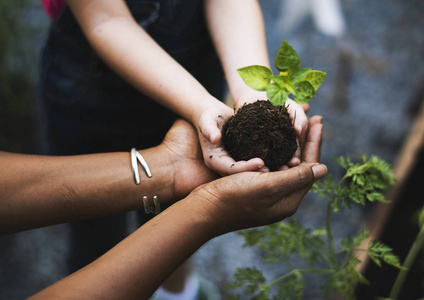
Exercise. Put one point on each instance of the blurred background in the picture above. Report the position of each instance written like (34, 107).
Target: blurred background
(373, 53)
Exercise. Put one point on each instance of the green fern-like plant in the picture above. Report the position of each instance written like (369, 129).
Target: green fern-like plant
(365, 181)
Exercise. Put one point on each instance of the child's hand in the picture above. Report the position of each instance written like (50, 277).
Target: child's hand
(300, 122)
(297, 114)
(216, 158)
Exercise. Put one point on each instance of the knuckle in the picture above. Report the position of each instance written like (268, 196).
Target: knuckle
(304, 174)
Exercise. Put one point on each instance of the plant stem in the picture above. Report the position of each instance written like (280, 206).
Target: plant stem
(310, 271)
(280, 114)
(330, 235)
(410, 258)
(326, 257)
(316, 271)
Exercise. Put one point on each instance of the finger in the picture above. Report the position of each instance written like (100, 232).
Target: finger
(298, 151)
(315, 120)
(282, 168)
(298, 115)
(295, 161)
(311, 151)
(264, 169)
(225, 165)
(305, 107)
(300, 121)
(297, 178)
(211, 128)
(217, 159)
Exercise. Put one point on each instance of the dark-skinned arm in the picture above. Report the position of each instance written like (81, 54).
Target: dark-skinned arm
(37, 190)
(136, 267)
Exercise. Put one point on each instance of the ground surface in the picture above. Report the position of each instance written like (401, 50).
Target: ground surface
(374, 85)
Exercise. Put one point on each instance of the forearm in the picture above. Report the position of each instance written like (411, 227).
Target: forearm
(41, 190)
(238, 32)
(137, 266)
(136, 57)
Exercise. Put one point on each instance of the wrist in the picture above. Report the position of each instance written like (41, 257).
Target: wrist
(162, 181)
(201, 206)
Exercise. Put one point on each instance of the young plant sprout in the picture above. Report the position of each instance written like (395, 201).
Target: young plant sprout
(302, 83)
(264, 129)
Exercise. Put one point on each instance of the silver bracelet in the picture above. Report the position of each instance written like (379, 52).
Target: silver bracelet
(148, 209)
(137, 157)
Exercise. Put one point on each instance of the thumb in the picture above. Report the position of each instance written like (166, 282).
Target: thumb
(319, 171)
(210, 129)
(301, 176)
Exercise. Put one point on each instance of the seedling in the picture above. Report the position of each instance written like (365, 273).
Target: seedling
(264, 128)
(302, 83)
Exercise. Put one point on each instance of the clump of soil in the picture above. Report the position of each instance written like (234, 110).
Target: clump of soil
(258, 130)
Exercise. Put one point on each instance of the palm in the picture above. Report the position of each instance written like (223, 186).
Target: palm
(216, 158)
(190, 170)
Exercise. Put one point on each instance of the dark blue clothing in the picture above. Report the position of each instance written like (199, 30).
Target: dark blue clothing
(90, 109)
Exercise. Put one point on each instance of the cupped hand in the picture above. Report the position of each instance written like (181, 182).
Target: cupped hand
(182, 145)
(216, 158)
(297, 114)
(253, 199)
(300, 122)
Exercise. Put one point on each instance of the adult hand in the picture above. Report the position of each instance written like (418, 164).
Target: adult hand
(252, 199)
(182, 146)
(216, 158)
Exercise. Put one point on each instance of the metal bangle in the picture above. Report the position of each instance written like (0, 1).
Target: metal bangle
(157, 204)
(146, 205)
(136, 156)
(148, 209)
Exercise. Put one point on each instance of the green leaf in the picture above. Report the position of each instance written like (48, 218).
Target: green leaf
(286, 58)
(284, 82)
(299, 74)
(256, 77)
(380, 252)
(252, 236)
(375, 197)
(276, 94)
(304, 93)
(315, 78)
(253, 281)
(370, 178)
(360, 237)
(319, 232)
(292, 287)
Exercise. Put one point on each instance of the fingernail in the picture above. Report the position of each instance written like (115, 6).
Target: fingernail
(319, 171)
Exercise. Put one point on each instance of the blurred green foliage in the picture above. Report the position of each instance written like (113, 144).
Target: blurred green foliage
(18, 60)
(281, 242)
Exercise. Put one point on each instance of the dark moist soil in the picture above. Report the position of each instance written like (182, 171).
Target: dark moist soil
(257, 130)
